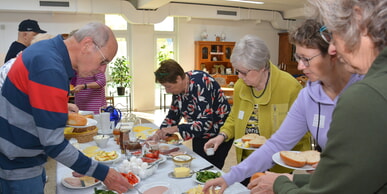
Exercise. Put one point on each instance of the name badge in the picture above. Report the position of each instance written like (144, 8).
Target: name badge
(322, 120)
(240, 115)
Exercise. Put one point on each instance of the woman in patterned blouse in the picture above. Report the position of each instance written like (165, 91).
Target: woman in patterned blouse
(197, 98)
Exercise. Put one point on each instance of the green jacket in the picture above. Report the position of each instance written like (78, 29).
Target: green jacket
(355, 158)
(280, 94)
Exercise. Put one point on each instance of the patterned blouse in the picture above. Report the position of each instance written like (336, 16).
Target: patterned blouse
(204, 108)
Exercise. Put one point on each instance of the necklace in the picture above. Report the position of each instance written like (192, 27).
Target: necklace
(264, 89)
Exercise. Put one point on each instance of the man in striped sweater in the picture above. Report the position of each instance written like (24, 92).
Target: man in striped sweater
(34, 110)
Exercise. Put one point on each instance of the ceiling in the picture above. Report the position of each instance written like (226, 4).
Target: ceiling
(288, 8)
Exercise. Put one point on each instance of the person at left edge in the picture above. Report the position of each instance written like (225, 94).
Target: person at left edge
(35, 96)
(26, 32)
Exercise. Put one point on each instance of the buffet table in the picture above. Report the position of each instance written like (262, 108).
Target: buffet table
(161, 174)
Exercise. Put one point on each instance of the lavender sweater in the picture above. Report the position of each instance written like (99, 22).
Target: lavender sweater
(302, 117)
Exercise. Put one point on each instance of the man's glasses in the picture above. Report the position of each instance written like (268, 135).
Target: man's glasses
(242, 73)
(104, 61)
(325, 34)
(304, 60)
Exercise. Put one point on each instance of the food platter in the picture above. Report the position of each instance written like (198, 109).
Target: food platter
(239, 144)
(64, 183)
(277, 159)
(90, 122)
(109, 161)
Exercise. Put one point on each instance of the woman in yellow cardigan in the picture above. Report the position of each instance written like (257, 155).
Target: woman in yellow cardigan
(262, 97)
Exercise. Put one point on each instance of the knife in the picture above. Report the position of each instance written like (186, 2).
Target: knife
(206, 168)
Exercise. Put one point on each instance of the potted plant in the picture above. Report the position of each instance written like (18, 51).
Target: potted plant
(120, 74)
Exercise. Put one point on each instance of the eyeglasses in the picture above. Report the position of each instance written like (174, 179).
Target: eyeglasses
(242, 73)
(104, 61)
(325, 34)
(304, 60)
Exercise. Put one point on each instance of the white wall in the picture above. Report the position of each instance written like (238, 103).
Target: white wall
(142, 38)
(189, 30)
(53, 23)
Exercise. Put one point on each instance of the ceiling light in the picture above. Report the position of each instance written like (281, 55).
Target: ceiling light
(247, 1)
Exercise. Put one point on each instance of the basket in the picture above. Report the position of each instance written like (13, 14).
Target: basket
(83, 137)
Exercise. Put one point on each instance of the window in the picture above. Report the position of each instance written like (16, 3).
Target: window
(116, 22)
(165, 44)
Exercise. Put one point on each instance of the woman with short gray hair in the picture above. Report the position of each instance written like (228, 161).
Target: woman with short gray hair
(262, 97)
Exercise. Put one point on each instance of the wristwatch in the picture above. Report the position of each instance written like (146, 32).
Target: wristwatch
(224, 136)
(85, 86)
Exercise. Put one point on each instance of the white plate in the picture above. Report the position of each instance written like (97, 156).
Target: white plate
(194, 176)
(110, 161)
(64, 183)
(277, 159)
(90, 122)
(238, 141)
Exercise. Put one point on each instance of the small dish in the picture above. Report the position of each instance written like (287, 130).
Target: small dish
(172, 175)
(182, 160)
(194, 176)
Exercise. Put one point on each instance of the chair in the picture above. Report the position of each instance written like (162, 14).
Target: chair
(110, 100)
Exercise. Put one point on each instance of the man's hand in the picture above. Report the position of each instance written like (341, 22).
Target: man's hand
(73, 108)
(264, 184)
(214, 143)
(211, 184)
(115, 181)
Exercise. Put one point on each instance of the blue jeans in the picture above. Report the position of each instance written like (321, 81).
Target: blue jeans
(33, 185)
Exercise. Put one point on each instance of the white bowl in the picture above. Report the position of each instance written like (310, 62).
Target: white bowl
(101, 140)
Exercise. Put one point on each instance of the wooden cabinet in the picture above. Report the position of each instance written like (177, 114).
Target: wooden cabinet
(285, 55)
(214, 57)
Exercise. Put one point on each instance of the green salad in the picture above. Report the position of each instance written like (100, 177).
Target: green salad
(204, 176)
(101, 191)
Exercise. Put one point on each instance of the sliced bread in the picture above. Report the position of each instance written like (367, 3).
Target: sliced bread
(312, 156)
(257, 142)
(249, 137)
(295, 159)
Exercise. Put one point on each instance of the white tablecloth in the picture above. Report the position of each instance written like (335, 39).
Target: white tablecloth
(161, 175)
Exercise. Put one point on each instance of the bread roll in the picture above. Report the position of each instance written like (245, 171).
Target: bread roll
(249, 137)
(257, 142)
(256, 175)
(76, 119)
(173, 137)
(295, 159)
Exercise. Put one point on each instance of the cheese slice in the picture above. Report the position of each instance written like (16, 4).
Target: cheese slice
(90, 151)
(140, 128)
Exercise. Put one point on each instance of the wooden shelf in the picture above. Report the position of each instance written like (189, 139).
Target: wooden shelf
(214, 56)
(285, 54)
